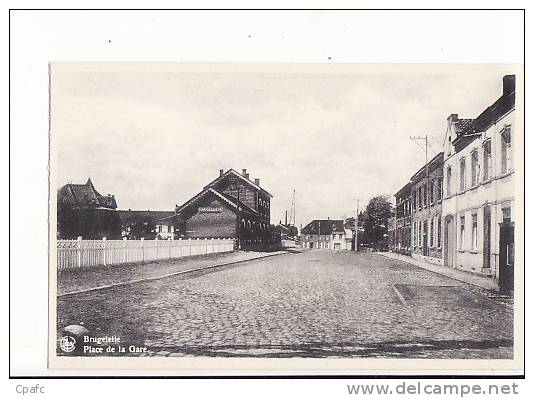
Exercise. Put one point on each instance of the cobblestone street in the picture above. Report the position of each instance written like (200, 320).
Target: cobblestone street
(314, 304)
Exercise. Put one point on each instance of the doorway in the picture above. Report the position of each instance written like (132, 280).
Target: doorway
(486, 261)
(450, 239)
(506, 257)
(425, 238)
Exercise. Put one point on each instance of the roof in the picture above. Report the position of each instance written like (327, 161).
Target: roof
(433, 164)
(405, 190)
(137, 216)
(235, 173)
(229, 200)
(323, 227)
(85, 195)
(349, 223)
(504, 104)
(493, 113)
(463, 124)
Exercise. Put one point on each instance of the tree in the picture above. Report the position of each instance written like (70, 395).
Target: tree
(375, 221)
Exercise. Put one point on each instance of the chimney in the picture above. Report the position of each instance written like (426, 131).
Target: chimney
(508, 84)
(453, 118)
(257, 181)
(221, 172)
(245, 174)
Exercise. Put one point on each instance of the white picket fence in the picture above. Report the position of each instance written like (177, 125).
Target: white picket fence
(89, 253)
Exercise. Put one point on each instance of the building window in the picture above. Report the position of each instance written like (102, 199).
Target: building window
(440, 188)
(432, 232)
(506, 214)
(431, 191)
(420, 234)
(474, 168)
(414, 200)
(449, 177)
(414, 234)
(506, 151)
(439, 231)
(420, 194)
(462, 174)
(474, 231)
(425, 195)
(462, 232)
(486, 147)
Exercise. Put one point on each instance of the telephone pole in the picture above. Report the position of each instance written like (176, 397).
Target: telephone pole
(415, 139)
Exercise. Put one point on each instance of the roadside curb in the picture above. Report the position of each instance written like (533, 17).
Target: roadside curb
(169, 275)
(438, 273)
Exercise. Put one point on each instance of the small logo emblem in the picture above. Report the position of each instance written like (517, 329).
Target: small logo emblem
(67, 344)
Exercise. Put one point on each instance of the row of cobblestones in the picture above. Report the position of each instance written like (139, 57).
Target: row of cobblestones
(315, 304)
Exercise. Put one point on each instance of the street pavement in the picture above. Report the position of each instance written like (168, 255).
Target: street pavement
(93, 278)
(316, 304)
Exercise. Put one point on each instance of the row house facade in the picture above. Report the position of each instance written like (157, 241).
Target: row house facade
(403, 220)
(426, 192)
(461, 204)
(479, 187)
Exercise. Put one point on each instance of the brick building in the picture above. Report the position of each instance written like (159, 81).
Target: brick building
(231, 206)
(403, 220)
(427, 193)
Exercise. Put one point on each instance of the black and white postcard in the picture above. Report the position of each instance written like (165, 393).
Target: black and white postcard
(274, 217)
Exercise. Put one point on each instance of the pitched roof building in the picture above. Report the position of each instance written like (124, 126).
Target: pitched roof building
(84, 196)
(326, 234)
(230, 206)
(479, 189)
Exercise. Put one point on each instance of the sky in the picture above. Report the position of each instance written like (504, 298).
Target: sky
(155, 134)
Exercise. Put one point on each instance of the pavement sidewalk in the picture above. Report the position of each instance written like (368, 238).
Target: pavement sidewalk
(467, 277)
(87, 279)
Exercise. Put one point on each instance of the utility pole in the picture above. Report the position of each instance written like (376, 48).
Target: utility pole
(426, 158)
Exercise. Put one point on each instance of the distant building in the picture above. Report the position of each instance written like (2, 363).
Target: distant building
(478, 206)
(403, 220)
(325, 234)
(84, 196)
(147, 224)
(426, 187)
(349, 226)
(230, 206)
(83, 211)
